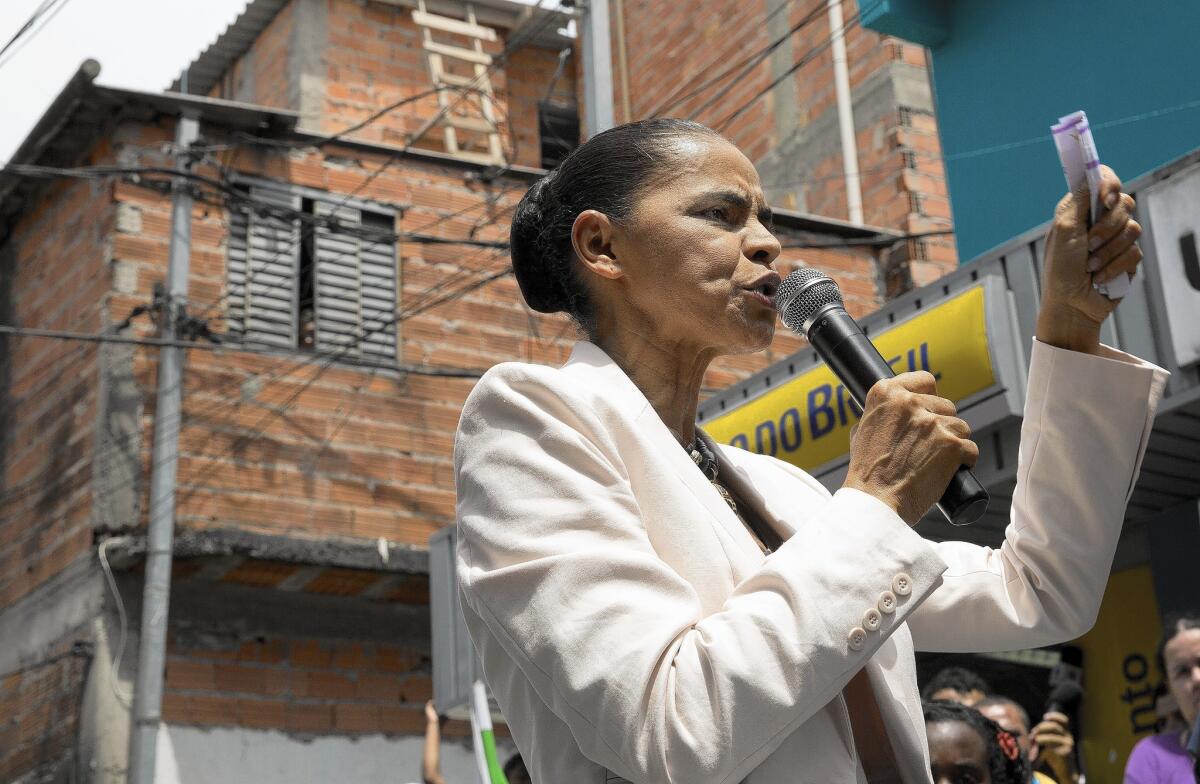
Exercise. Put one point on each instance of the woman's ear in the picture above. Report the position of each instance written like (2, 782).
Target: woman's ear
(592, 238)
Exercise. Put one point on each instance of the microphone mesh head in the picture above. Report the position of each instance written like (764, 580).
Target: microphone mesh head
(802, 294)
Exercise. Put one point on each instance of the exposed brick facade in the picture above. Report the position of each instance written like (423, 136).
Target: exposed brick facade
(280, 444)
(300, 685)
(56, 276)
(39, 716)
(361, 57)
(899, 156)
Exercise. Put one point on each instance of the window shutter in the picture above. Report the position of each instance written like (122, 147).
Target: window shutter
(235, 311)
(354, 278)
(355, 285)
(378, 275)
(264, 252)
(337, 284)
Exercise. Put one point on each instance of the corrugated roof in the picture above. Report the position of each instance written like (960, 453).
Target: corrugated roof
(212, 63)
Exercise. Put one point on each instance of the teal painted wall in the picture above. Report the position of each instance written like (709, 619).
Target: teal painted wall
(1009, 68)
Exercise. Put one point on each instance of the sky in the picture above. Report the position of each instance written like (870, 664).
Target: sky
(140, 44)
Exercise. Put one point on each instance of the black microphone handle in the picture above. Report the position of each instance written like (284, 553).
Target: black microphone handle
(838, 339)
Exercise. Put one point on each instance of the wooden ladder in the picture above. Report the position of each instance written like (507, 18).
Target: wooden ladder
(481, 140)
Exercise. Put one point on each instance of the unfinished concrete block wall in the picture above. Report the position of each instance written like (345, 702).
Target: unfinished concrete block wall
(791, 132)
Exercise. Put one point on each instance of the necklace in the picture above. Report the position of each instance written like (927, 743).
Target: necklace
(706, 461)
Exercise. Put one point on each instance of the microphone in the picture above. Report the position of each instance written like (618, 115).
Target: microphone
(1065, 698)
(810, 304)
(1066, 681)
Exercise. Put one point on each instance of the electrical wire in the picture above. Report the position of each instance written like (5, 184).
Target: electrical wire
(125, 700)
(869, 242)
(753, 62)
(221, 347)
(672, 100)
(806, 58)
(47, 10)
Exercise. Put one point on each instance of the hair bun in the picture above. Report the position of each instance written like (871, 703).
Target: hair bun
(534, 259)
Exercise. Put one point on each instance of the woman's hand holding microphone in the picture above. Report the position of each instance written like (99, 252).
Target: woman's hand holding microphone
(908, 445)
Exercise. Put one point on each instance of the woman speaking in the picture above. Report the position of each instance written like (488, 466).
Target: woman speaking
(654, 607)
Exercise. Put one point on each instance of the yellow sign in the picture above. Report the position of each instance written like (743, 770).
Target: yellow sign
(807, 420)
(1120, 677)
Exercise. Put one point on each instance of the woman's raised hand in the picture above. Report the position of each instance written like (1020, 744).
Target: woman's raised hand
(908, 445)
(1072, 309)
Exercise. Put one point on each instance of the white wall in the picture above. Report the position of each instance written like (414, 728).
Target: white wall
(192, 755)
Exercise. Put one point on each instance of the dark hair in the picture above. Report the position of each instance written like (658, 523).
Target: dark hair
(606, 173)
(960, 679)
(987, 702)
(1174, 624)
(1006, 764)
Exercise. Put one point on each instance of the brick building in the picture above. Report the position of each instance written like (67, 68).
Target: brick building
(347, 250)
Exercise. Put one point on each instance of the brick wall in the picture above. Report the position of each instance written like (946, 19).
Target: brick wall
(57, 273)
(303, 685)
(371, 57)
(375, 59)
(39, 716)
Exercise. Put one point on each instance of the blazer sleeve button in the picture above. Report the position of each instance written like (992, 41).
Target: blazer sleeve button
(857, 638)
(871, 620)
(902, 584)
(887, 603)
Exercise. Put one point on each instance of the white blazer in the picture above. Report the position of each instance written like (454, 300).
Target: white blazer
(630, 628)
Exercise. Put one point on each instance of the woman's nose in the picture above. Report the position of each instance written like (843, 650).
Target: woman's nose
(761, 246)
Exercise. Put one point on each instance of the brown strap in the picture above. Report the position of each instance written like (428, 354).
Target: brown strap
(875, 751)
(767, 539)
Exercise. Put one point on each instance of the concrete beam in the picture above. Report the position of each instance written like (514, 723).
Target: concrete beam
(336, 551)
(227, 614)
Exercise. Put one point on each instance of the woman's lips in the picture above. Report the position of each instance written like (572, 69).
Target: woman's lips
(761, 297)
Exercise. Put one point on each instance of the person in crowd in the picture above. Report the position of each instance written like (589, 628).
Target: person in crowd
(1163, 758)
(1050, 743)
(431, 758)
(651, 606)
(957, 684)
(966, 747)
(431, 755)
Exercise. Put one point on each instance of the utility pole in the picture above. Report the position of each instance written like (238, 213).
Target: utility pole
(160, 537)
(597, 66)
